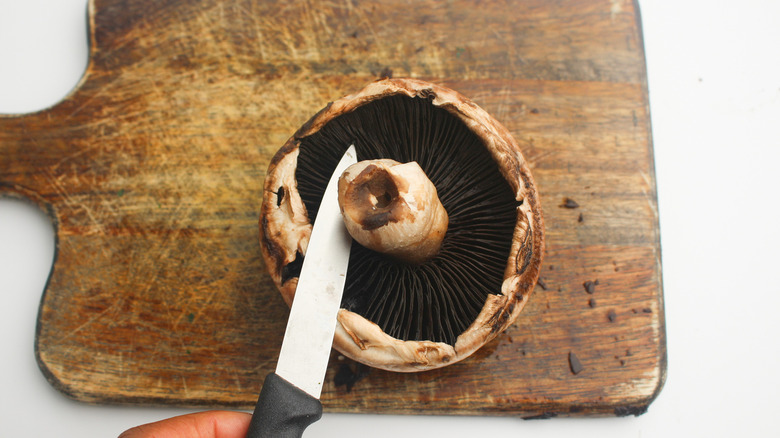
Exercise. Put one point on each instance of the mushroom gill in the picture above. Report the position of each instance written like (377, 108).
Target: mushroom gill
(435, 301)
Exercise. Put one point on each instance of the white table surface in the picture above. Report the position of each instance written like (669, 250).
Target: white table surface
(714, 75)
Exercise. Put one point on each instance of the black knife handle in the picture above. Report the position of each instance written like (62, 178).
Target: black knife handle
(283, 410)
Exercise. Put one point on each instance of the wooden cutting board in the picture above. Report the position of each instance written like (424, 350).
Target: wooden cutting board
(152, 170)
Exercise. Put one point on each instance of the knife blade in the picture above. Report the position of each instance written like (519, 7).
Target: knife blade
(289, 400)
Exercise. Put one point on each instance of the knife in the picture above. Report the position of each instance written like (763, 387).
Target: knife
(289, 400)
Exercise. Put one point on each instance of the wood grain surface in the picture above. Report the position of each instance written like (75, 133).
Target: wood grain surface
(152, 173)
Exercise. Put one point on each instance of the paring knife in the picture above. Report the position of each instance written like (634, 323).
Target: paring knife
(289, 400)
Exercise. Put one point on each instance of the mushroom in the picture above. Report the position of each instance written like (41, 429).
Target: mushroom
(425, 288)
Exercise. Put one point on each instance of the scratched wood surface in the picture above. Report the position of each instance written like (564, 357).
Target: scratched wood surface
(152, 172)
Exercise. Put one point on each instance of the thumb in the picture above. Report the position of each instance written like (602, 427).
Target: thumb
(209, 424)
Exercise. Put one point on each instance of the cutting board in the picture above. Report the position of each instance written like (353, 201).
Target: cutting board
(152, 170)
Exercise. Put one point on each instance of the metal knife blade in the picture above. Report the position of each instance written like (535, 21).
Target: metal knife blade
(289, 400)
(312, 321)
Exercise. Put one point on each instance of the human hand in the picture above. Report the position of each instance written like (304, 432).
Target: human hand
(209, 424)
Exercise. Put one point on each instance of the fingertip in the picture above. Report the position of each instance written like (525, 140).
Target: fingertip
(208, 424)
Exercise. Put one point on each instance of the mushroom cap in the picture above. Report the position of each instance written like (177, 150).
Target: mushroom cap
(289, 208)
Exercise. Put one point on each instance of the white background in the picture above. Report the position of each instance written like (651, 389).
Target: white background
(714, 75)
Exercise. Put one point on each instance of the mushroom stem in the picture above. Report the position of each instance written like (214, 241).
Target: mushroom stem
(393, 208)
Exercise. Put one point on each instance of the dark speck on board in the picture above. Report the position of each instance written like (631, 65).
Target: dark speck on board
(574, 363)
(569, 203)
(611, 315)
(386, 73)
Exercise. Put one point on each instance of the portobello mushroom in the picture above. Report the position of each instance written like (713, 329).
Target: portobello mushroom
(426, 287)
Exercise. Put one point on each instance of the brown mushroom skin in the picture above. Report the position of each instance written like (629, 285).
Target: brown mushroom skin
(284, 230)
(393, 208)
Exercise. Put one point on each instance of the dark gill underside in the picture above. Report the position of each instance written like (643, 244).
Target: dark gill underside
(439, 299)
